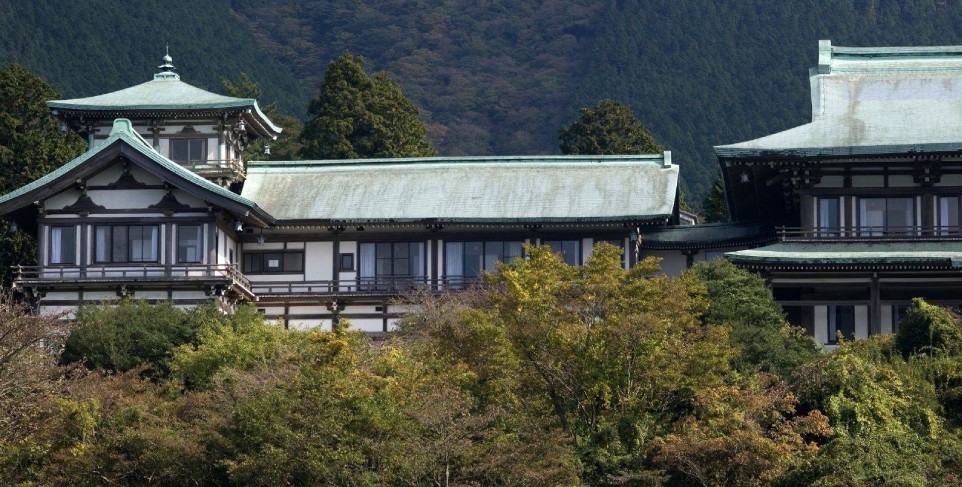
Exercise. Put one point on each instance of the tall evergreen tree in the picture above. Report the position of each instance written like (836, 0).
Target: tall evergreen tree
(356, 116)
(715, 204)
(288, 145)
(607, 128)
(31, 144)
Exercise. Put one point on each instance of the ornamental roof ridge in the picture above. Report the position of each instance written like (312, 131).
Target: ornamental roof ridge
(664, 160)
(886, 59)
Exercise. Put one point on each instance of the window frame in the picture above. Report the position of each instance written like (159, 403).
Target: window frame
(484, 254)
(180, 246)
(834, 311)
(578, 260)
(884, 230)
(188, 141)
(345, 262)
(944, 228)
(111, 251)
(73, 248)
(282, 268)
(825, 227)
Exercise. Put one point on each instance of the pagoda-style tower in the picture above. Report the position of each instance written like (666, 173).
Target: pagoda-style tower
(203, 131)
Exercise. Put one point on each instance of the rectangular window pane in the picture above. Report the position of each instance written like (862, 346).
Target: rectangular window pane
(949, 215)
(828, 213)
(188, 243)
(871, 215)
(493, 252)
(841, 320)
(198, 149)
(118, 247)
(294, 262)
(473, 258)
(179, 150)
(900, 215)
(143, 242)
(101, 244)
(63, 245)
(454, 259)
(567, 249)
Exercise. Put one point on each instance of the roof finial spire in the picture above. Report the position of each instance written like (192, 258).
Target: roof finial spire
(168, 65)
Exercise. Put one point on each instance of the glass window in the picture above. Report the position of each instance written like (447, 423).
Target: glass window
(188, 149)
(949, 215)
(470, 258)
(284, 262)
(898, 313)
(189, 248)
(886, 216)
(389, 263)
(569, 250)
(347, 262)
(841, 323)
(63, 245)
(828, 216)
(126, 243)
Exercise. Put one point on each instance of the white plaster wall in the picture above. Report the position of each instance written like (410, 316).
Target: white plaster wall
(950, 180)
(886, 321)
(126, 199)
(178, 295)
(151, 294)
(861, 322)
(319, 261)
(821, 324)
(61, 199)
(367, 324)
(63, 312)
(673, 263)
(295, 245)
(323, 325)
(106, 176)
(98, 296)
(62, 296)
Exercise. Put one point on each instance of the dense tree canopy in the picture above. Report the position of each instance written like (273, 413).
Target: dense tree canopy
(607, 128)
(356, 117)
(715, 205)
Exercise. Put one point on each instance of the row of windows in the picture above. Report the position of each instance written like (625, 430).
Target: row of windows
(841, 321)
(141, 244)
(878, 215)
(125, 244)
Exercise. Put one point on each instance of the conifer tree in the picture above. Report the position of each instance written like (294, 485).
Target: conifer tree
(715, 204)
(357, 116)
(607, 128)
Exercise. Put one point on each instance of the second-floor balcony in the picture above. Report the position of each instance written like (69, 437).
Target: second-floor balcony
(224, 276)
(374, 286)
(871, 233)
(215, 168)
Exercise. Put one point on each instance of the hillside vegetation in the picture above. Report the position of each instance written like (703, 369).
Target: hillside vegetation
(495, 76)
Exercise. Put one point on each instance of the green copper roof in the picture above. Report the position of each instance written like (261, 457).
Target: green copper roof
(945, 254)
(469, 189)
(123, 132)
(873, 101)
(166, 92)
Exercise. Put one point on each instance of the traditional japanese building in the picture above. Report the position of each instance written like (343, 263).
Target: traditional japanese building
(866, 198)
(162, 207)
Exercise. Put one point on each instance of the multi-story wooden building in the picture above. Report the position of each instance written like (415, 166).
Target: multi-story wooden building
(865, 198)
(162, 207)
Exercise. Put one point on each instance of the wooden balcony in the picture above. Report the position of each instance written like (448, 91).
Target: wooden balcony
(216, 169)
(227, 276)
(870, 234)
(368, 286)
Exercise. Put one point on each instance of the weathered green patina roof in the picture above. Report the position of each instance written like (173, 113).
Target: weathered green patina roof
(576, 189)
(166, 92)
(122, 133)
(847, 254)
(865, 101)
(709, 235)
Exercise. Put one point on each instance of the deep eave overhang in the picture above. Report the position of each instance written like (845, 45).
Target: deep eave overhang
(104, 155)
(621, 221)
(251, 112)
(816, 153)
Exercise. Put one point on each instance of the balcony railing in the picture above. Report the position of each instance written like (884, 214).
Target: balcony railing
(131, 272)
(863, 233)
(364, 285)
(214, 167)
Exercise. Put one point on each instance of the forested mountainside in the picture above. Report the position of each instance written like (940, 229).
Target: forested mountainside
(491, 76)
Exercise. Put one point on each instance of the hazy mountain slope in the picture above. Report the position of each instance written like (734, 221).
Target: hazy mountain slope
(96, 46)
(492, 76)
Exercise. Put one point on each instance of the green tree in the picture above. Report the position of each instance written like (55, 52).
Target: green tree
(129, 333)
(287, 146)
(742, 300)
(715, 204)
(607, 128)
(356, 116)
(31, 145)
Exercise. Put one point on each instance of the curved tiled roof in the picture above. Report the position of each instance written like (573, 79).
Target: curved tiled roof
(471, 189)
(866, 101)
